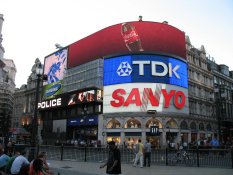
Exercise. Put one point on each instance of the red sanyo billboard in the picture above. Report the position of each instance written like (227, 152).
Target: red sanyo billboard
(127, 38)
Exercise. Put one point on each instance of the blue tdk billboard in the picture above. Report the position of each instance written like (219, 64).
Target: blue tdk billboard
(145, 69)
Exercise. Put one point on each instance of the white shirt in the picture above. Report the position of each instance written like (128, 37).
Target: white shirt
(18, 163)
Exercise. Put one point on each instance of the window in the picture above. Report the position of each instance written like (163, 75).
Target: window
(201, 127)
(208, 127)
(183, 125)
(112, 124)
(193, 126)
(132, 123)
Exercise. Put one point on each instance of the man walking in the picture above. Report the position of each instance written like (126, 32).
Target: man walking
(139, 153)
(147, 149)
(114, 160)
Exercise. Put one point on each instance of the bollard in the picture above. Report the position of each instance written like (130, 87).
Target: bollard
(62, 151)
(231, 157)
(198, 165)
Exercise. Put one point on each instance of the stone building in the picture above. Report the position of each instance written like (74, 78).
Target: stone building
(7, 87)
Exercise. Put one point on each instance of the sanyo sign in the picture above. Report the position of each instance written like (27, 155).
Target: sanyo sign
(141, 97)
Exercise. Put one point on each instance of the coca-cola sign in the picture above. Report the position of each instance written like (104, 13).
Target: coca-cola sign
(126, 38)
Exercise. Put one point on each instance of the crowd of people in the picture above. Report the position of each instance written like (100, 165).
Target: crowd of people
(18, 164)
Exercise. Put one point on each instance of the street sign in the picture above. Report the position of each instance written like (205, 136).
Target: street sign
(154, 130)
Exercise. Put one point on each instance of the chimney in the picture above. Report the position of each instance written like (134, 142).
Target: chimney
(140, 18)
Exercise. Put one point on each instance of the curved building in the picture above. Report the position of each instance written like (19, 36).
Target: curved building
(128, 81)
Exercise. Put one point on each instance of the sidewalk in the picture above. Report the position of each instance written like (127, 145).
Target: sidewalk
(89, 168)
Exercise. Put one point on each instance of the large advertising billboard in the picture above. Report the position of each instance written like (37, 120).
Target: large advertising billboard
(143, 97)
(55, 66)
(72, 98)
(145, 68)
(128, 38)
(145, 82)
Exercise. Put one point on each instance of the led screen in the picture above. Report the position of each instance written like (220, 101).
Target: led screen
(145, 69)
(55, 67)
(143, 97)
(128, 37)
(71, 98)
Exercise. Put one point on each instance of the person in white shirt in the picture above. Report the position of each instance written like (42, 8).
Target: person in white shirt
(18, 163)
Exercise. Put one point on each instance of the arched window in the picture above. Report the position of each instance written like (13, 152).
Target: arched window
(133, 123)
(193, 126)
(208, 127)
(183, 125)
(113, 124)
(171, 124)
(201, 127)
(153, 122)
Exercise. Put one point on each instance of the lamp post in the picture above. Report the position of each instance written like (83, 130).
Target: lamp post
(218, 104)
(34, 136)
(85, 113)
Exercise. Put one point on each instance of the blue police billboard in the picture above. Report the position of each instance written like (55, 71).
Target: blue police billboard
(145, 69)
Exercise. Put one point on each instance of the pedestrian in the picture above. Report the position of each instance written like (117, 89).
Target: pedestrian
(45, 168)
(10, 162)
(19, 163)
(114, 160)
(147, 148)
(3, 159)
(36, 168)
(214, 143)
(139, 153)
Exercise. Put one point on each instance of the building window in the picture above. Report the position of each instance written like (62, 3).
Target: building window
(112, 124)
(133, 123)
(193, 126)
(184, 125)
(153, 122)
(201, 127)
(208, 127)
(171, 124)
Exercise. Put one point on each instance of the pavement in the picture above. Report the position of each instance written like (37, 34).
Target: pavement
(90, 168)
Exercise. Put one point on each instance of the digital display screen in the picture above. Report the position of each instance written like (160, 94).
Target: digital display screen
(128, 37)
(72, 98)
(145, 69)
(55, 66)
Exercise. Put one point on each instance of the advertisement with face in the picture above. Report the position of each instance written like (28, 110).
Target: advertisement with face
(86, 96)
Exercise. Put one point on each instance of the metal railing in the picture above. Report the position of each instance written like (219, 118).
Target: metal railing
(222, 158)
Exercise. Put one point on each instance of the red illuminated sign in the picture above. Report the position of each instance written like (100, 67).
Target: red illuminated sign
(128, 38)
(134, 97)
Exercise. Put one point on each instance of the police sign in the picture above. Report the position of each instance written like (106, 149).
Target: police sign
(154, 130)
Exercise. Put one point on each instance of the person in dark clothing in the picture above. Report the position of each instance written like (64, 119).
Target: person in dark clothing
(147, 152)
(114, 160)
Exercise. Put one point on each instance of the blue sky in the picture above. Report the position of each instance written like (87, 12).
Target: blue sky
(31, 28)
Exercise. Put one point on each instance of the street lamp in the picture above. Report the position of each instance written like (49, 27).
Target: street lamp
(34, 136)
(85, 113)
(219, 104)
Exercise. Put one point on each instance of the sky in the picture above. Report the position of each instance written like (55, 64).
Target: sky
(31, 28)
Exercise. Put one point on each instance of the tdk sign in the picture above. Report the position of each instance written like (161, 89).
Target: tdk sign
(167, 69)
(145, 68)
